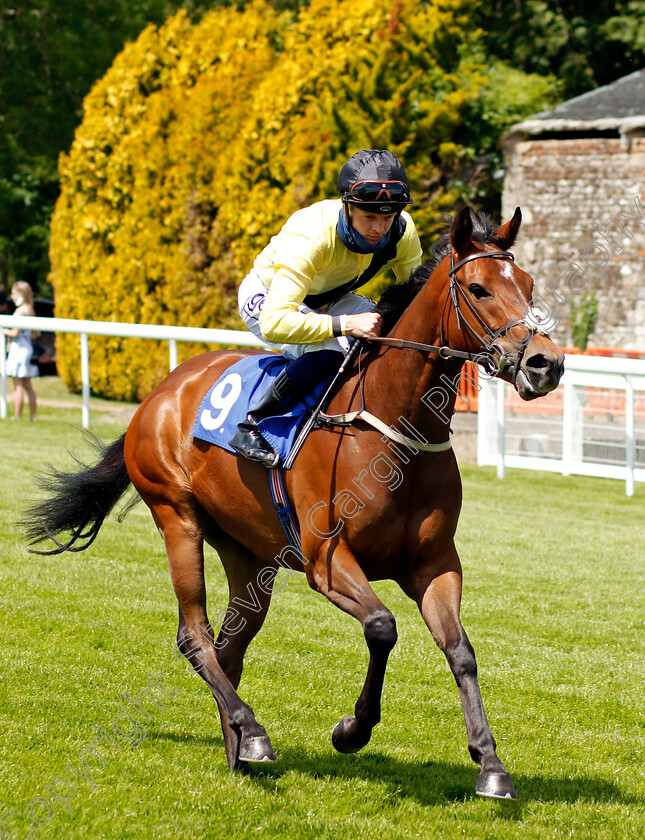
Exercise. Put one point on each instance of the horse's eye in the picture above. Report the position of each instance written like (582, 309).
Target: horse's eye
(478, 291)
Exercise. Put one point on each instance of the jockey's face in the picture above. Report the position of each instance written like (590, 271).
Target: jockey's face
(371, 226)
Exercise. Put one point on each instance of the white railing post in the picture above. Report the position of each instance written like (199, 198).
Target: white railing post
(573, 425)
(85, 379)
(630, 439)
(3, 375)
(172, 347)
(501, 428)
(567, 426)
(483, 420)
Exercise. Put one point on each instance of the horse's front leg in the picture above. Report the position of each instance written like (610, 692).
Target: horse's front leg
(438, 596)
(337, 575)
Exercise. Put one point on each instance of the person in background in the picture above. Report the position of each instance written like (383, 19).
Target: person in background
(19, 365)
(299, 296)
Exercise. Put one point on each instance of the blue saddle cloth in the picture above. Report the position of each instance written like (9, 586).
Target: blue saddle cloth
(228, 401)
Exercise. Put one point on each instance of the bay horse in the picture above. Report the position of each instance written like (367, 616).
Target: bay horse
(368, 511)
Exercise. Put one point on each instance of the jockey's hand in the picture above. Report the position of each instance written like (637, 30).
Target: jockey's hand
(364, 325)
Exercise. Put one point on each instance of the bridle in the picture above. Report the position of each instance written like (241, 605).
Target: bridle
(485, 358)
(491, 336)
(488, 343)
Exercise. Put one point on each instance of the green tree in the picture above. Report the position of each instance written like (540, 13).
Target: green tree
(508, 96)
(583, 319)
(51, 53)
(627, 28)
(583, 44)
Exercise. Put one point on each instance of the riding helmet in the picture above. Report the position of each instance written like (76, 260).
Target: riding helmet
(375, 180)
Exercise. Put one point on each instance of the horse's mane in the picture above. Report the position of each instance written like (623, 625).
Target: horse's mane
(396, 298)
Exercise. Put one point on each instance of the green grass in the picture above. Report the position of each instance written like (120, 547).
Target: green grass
(554, 604)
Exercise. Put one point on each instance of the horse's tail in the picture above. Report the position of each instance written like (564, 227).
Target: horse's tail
(78, 502)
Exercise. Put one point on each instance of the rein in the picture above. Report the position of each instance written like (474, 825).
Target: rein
(443, 350)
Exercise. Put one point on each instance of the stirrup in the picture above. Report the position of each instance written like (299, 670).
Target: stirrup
(248, 441)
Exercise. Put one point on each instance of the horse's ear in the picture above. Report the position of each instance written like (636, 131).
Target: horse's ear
(506, 234)
(462, 230)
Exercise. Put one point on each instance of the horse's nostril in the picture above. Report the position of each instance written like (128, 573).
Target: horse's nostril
(537, 362)
(544, 369)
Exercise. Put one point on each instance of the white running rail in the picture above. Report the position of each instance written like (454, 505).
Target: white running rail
(172, 335)
(592, 424)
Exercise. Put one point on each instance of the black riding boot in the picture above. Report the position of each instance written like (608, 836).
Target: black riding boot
(247, 439)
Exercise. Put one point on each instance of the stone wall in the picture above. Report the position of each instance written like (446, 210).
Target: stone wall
(583, 206)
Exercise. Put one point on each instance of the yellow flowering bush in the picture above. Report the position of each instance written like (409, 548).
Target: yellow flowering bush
(202, 139)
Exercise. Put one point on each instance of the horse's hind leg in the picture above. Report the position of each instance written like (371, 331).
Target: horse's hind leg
(250, 584)
(183, 535)
(438, 596)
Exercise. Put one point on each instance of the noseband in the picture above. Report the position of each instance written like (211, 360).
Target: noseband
(488, 342)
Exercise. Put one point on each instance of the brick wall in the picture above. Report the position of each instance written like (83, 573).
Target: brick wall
(564, 188)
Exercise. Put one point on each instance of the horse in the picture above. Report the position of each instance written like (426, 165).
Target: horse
(375, 506)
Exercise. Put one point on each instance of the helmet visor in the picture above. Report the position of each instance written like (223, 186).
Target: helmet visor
(378, 192)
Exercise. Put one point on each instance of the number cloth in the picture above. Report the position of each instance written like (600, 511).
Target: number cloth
(227, 403)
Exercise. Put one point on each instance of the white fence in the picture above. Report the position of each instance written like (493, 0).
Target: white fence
(593, 424)
(85, 328)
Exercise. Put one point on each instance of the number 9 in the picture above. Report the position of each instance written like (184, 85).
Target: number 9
(222, 401)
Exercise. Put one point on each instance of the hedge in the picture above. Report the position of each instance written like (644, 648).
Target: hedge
(202, 139)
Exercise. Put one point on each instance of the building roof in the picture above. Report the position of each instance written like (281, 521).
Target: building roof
(619, 106)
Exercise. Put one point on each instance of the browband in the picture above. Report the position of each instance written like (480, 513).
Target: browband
(495, 254)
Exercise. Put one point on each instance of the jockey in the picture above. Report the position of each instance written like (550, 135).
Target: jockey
(299, 298)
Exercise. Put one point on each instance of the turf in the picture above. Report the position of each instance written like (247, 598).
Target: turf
(554, 604)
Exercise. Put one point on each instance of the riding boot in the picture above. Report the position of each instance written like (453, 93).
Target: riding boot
(247, 439)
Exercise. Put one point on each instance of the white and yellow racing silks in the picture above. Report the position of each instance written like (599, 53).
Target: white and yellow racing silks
(308, 257)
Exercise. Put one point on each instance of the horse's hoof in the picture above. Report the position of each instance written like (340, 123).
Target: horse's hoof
(346, 741)
(495, 786)
(256, 749)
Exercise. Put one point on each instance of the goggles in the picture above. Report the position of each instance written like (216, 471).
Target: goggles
(378, 192)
